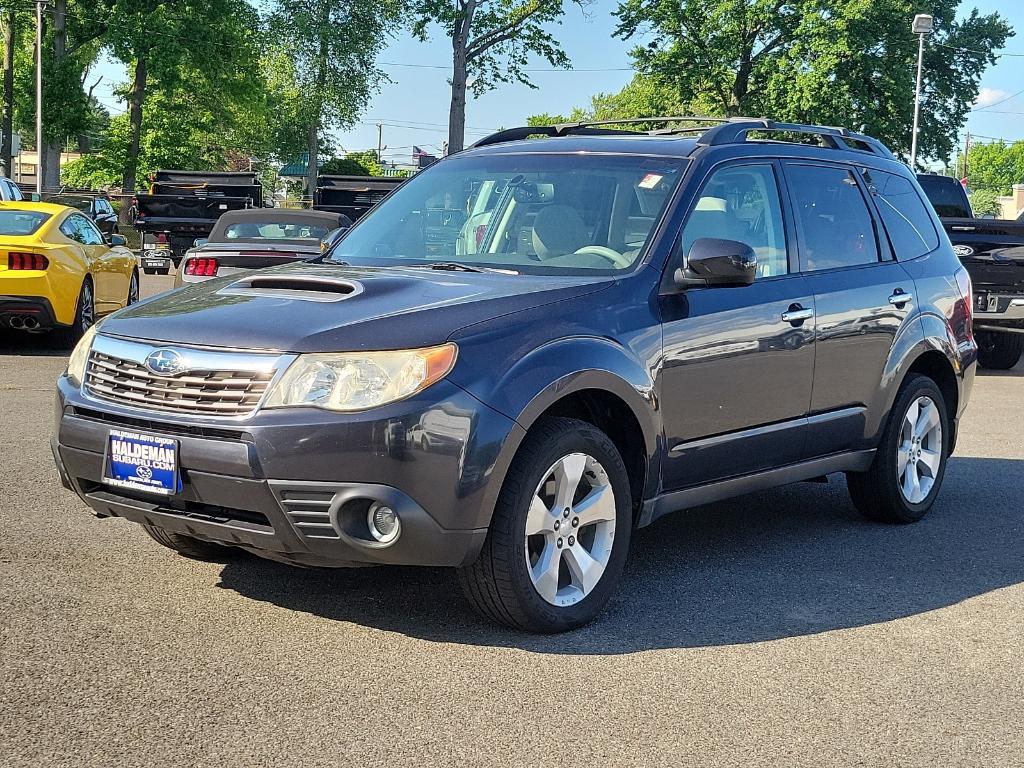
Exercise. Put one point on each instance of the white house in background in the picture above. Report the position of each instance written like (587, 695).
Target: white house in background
(1013, 204)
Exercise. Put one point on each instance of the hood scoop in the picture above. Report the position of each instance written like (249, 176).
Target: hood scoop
(305, 288)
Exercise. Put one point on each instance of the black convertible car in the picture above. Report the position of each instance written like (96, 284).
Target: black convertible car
(256, 238)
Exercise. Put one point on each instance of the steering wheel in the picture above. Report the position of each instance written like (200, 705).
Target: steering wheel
(618, 259)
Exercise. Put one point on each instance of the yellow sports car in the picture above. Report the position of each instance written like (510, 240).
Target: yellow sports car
(58, 273)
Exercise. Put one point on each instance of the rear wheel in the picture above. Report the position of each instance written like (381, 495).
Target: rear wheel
(999, 351)
(903, 481)
(560, 532)
(85, 317)
(197, 549)
(133, 290)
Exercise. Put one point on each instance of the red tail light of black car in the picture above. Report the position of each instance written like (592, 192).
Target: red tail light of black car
(201, 267)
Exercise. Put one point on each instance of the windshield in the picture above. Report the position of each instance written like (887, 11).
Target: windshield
(272, 230)
(540, 214)
(21, 222)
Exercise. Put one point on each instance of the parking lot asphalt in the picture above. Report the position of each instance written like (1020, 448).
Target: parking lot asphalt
(776, 629)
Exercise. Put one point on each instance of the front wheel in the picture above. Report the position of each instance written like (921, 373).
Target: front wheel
(133, 290)
(903, 481)
(191, 547)
(999, 351)
(560, 532)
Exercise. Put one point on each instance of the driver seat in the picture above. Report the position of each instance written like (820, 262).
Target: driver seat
(558, 230)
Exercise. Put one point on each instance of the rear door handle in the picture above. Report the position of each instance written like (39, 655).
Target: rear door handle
(900, 298)
(796, 314)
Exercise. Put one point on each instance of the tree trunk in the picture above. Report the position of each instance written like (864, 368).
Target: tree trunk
(460, 63)
(131, 165)
(52, 146)
(740, 87)
(7, 124)
(312, 167)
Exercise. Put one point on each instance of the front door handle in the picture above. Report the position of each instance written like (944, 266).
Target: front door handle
(796, 314)
(900, 298)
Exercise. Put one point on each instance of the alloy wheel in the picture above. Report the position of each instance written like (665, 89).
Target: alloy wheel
(133, 290)
(919, 457)
(570, 529)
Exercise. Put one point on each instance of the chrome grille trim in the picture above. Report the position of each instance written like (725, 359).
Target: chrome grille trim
(214, 384)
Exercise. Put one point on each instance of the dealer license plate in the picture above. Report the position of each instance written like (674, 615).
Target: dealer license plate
(142, 462)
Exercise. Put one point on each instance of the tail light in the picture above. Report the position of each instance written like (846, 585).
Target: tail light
(963, 282)
(201, 267)
(481, 230)
(161, 238)
(25, 260)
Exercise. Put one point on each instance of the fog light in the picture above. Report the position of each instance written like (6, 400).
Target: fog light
(383, 523)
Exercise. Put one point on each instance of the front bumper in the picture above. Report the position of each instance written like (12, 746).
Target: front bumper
(294, 485)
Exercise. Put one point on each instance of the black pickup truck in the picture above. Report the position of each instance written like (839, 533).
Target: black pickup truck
(352, 195)
(181, 206)
(993, 252)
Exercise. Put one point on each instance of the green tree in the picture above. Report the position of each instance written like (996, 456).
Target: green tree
(985, 202)
(492, 41)
(845, 62)
(331, 47)
(205, 47)
(643, 96)
(996, 166)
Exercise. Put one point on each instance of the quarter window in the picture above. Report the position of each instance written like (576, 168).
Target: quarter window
(832, 218)
(906, 219)
(742, 203)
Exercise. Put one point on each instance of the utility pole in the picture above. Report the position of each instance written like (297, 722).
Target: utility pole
(923, 25)
(380, 142)
(967, 150)
(39, 96)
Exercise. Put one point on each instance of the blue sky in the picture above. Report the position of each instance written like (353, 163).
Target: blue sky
(414, 106)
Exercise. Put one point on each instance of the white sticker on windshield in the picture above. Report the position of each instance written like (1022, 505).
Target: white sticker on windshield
(650, 181)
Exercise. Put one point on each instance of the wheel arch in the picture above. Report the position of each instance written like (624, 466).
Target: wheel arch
(596, 381)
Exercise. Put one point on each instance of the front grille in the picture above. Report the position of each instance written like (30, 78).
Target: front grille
(198, 392)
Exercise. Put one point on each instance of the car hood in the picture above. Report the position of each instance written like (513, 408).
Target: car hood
(304, 307)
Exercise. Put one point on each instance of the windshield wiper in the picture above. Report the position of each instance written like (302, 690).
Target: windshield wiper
(458, 266)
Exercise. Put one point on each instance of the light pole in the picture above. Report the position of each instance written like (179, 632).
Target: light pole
(39, 96)
(923, 25)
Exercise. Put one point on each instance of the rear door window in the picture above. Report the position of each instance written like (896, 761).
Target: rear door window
(905, 216)
(833, 222)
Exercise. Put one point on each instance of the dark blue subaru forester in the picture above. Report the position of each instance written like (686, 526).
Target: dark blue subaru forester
(534, 347)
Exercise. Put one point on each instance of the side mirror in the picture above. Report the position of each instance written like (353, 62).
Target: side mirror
(116, 240)
(712, 261)
(200, 242)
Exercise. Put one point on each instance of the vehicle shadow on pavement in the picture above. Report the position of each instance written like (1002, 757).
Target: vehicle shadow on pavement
(30, 344)
(793, 561)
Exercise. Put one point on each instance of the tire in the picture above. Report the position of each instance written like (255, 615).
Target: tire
(499, 584)
(188, 546)
(85, 316)
(133, 289)
(881, 493)
(999, 351)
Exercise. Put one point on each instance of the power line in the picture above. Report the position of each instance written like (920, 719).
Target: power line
(997, 103)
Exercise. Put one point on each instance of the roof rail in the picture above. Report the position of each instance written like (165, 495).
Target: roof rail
(735, 131)
(593, 128)
(732, 130)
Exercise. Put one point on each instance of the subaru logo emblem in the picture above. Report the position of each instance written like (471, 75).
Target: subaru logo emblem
(165, 362)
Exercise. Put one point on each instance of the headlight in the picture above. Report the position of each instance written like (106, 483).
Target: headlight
(355, 381)
(76, 363)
